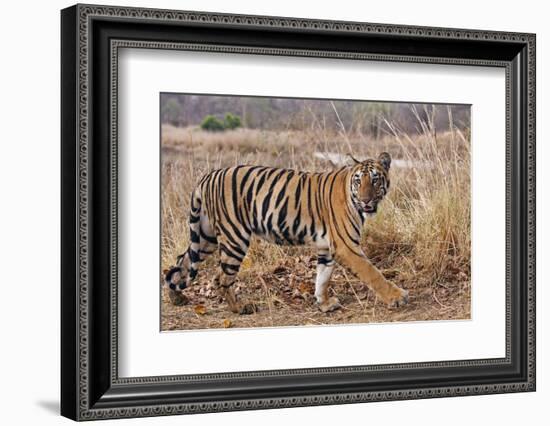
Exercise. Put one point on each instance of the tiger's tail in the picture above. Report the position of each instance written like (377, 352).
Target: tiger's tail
(194, 234)
(186, 268)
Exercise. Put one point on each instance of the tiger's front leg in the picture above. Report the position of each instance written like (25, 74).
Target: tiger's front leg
(325, 266)
(359, 265)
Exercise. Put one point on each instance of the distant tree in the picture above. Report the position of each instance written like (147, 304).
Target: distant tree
(212, 124)
(231, 121)
(368, 117)
(171, 112)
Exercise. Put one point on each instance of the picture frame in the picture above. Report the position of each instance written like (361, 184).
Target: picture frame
(90, 385)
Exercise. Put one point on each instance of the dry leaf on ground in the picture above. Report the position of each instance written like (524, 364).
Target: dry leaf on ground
(200, 309)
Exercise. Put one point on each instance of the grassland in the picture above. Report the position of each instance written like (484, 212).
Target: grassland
(419, 239)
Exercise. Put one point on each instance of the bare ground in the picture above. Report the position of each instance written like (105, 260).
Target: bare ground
(284, 297)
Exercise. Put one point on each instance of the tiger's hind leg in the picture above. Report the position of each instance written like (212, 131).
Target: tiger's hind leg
(325, 266)
(231, 258)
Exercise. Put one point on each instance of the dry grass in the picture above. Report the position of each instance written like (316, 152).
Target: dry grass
(420, 238)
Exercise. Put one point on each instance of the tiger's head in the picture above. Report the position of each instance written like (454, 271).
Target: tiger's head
(370, 182)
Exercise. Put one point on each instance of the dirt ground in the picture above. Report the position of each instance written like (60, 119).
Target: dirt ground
(284, 297)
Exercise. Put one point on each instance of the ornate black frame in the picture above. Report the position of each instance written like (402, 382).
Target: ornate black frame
(91, 37)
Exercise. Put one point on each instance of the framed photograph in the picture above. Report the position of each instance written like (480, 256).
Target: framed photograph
(263, 212)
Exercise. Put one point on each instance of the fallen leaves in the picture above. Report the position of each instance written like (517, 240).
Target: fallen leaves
(246, 263)
(283, 288)
(306, 288)
(390, 273)
(280, 270)
(200, 309)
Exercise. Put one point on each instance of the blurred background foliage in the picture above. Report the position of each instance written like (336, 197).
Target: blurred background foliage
(217, 113)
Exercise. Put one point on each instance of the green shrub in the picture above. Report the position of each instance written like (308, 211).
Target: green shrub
(212, 124)
(231, 121)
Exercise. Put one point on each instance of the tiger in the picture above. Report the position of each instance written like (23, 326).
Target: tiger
(325, 210)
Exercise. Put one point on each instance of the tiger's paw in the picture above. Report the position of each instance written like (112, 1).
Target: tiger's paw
(248, 308)
(178, 298)
(329, 305)
(398, 298)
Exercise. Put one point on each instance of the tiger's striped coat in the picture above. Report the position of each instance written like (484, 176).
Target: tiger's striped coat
(288, 207)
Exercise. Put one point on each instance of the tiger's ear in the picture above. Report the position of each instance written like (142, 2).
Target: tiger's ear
(356, 161)
(385, 159)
